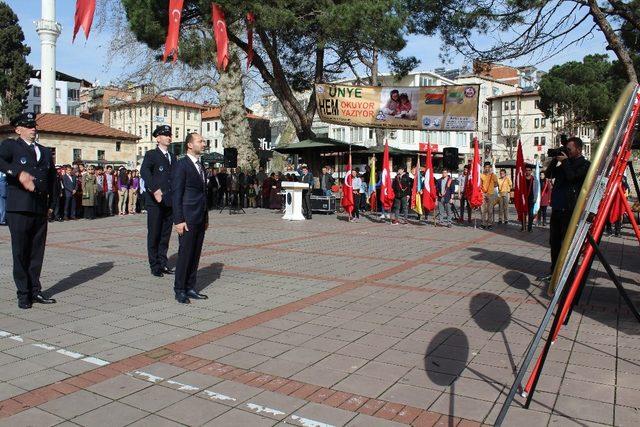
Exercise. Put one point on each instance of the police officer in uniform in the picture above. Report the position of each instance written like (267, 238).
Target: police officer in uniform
(31, 177)
(156, 173)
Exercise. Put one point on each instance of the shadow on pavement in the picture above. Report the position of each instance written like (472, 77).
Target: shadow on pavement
(208, 275)
(78, 278)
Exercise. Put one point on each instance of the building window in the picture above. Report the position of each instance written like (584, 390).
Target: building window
(188, 115)
(177, 113)
(208, 126)
(36, 108)
(208, 143)
(140, 111)
(165, 112)
(371, 133)
(513, 105)
(100, 154)
(130, 115)
(73, 94)
(36, 91)
(506, 123)
(139, 151)
(157, 111)
(118, 146)
(139, 130)
(146, 130)
(57, 93)
(77, 154)
(215, 126)
(543, 140)
(129, 129)
(543, 122)
(513, 123)
(177, 132)
(536, 141)
(215, 143)
(536, 103)
(536, 123)
(506, 105)
(73, 111)
(57, 109)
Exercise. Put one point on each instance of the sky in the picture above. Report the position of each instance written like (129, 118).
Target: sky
(88, 59)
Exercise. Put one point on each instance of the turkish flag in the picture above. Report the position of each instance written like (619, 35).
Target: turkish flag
(347, 190)
(520, 193)
(85, 10)
(220, 34)
(617, 208)
(474, 187)
(386, 188)
(429, 191)
(251, 20)
(173, 32)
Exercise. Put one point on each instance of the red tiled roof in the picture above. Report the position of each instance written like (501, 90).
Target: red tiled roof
(74, 125)
(162, 99)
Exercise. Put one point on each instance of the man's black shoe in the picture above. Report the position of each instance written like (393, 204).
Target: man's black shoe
(182, 298)
(167, 270)
(192, 293)
(40, 299)
(24, 305)
(157, 273)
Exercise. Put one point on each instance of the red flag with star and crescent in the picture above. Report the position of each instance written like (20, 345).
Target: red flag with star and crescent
(474, 187)
(386, 188)
(85, 10)
(520, 194)
(429, 191)
(173, 33)
(347, 190)
(220, 34)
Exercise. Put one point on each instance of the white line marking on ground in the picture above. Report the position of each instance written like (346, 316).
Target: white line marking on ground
(183, 387)
(69, 353)
(306, 422)
(73, 354)
(95, 361)
(259, 409)
(148, 377)
(217, 396)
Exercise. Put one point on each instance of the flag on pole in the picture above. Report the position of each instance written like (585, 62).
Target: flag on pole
(251, 20)
(520, 192)
(416, 197)
(171, 44)
(220, 34)
(85, 10)
(474, 187)
(429, 190)
(386, 189)
(371, 190)
(536, 190)
(347, 190)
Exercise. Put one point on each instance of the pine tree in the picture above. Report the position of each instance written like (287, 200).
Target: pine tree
(14, 69)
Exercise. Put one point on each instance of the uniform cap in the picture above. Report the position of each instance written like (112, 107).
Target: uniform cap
(25, 119)
(162, 130)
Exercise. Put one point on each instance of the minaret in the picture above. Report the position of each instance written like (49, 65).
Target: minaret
(48, 30)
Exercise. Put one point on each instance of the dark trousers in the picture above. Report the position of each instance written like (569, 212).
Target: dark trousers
(159, 222)
(542, 215)
(465, 203)
(189, 258)
(306, 203)
(558, 225)
(89, 212)
(527, 220)
(28, 239)
(70, 206)
(356, 205)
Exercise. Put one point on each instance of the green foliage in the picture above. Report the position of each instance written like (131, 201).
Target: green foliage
(14, 69)
(582, 91)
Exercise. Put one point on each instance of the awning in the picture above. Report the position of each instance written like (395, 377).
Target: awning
(511, 164)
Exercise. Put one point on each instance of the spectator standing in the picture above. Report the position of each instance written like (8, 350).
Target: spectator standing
(109, 188)
(89, 190)
(504, 195)
(3, 198)
(402, 189)
(445, 189)
(356, 184)
(545, 198)
(100, 202)
(134, 188)
(123, 190)
(69, 185)
(489, 183)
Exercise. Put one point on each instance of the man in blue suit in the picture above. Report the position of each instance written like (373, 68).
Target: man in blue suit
(3, 198)
(190, 216)
(69, 184)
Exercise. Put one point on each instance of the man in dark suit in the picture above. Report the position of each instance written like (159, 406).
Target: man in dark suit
(445, 187)
(156, 173)
(191, 217)
(307, 178)
(69, 184)
(31, 176)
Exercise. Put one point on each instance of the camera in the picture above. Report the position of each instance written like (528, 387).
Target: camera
(555, 152)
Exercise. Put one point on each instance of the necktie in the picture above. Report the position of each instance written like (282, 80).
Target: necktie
(32, 148)
(168, 157)
(201, 171)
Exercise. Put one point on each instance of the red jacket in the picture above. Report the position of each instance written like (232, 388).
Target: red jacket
(104, 183)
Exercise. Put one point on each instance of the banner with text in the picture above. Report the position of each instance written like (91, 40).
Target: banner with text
(430, 108)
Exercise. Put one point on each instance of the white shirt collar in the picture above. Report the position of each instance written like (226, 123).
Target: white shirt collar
(193, 158)
(163, 150)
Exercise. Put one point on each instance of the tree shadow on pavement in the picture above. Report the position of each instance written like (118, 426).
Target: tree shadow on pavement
(78, 278)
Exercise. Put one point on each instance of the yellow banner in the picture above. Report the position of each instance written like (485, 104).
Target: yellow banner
(430, 108)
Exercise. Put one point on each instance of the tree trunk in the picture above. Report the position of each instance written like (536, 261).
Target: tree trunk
(237, 133)
(614, 41)
(374, 82)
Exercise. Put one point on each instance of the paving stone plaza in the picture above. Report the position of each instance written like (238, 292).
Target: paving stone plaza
(313, 323)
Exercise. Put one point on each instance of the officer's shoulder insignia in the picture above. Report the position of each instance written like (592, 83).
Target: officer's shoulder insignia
(161, 168)
(23, 160)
